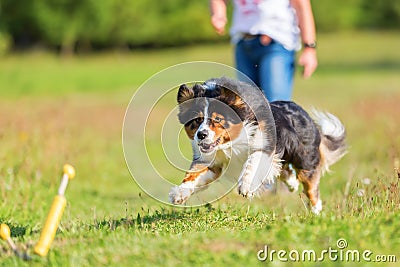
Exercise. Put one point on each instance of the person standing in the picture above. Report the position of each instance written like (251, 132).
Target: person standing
(267, 34)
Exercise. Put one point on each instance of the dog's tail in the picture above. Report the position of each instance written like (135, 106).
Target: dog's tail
(333, 143)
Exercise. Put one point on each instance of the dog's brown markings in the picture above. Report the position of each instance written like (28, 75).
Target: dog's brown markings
(234, 131)
(232, 98)
(311, 178)
(198, 170)
(264, 126)
(228, 131)
(310, 181)
(193, 174)
(192, 127)
(190, 132)
(239, 102)
(217, 125)
(185, 93)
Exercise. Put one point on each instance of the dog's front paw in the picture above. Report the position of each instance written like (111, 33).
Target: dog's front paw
(179, 194)
(245, 190)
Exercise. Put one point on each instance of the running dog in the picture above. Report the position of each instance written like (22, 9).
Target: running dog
(278, 140)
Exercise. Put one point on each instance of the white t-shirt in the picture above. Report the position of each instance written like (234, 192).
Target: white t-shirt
(275, 18)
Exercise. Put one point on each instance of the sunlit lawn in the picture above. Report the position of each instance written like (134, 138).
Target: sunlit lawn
(55, 110)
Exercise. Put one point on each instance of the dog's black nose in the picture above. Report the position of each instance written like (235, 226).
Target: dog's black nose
(202, 134)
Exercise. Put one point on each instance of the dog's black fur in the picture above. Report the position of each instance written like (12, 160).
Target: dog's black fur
(298, 137)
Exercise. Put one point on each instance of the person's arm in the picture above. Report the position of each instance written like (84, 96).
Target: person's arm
(218, 15)
(308, 57)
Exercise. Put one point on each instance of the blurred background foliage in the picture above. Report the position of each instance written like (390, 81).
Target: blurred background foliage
(83, 25)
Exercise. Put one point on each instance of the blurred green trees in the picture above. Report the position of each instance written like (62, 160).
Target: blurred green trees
(86, 24)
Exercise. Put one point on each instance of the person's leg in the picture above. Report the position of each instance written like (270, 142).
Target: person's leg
(244, 61)
(276, 72)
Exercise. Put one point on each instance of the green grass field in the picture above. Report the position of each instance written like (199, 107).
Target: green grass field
(56, 110)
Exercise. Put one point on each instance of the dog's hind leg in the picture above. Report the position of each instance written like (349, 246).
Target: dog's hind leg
(289, 178)
(195, 180)
(310, 181)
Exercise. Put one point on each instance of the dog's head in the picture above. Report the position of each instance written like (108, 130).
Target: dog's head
(212, 114)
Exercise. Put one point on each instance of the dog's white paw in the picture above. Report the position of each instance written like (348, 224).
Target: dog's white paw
(179, 194)
(244, 189)
(317, 208)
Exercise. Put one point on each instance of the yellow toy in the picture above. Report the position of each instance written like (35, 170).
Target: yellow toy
(55, 213)
(5, 235)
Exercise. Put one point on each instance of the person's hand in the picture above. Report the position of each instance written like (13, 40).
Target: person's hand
(308, 59)
(219, 23)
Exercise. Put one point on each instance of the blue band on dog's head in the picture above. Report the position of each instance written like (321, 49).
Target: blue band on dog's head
(209, 85)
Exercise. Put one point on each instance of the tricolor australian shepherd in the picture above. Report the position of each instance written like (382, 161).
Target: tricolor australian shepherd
(280, 140)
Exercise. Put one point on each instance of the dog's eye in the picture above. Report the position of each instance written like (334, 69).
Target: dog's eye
(217, 119)
(198, 119)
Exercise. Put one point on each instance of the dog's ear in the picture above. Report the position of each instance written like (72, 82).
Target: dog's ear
(231, 97)
(185, 93)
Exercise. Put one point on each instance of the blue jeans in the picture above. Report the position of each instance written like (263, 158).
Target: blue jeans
(270, 67)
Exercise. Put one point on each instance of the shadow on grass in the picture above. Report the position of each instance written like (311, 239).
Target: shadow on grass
(149, 220)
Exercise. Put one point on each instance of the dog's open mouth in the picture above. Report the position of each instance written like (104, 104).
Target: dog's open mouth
(209, 147)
